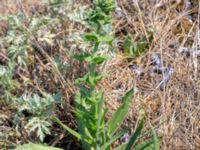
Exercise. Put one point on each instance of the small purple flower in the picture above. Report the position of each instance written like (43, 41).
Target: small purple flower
(46, 29)
(158, 69)
(185, 51)
(119, 12)
(188, 5)
(168, 73)
(137, 70)
(156, 60)
(196, 53)
(189, 52)
(125, 138)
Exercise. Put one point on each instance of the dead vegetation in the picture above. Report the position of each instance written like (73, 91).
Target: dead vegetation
(175, 24)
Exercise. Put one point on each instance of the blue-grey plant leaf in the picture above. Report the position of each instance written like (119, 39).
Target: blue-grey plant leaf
(32, 146)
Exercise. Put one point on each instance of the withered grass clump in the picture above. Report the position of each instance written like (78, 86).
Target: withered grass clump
(175, 110)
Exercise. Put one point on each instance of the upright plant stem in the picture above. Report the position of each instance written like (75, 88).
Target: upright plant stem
(93, 66)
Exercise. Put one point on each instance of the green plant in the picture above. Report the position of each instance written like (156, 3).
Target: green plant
(22, 37)
(94, 131)
(37, 110)
(25, 36)
(7, 83)
(135, 49)
(90, 107)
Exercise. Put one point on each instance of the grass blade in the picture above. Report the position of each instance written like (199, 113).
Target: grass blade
(135, 135)
(121, 113)
(113, 139)
(145, 146)
(121, 147)
(156, 141)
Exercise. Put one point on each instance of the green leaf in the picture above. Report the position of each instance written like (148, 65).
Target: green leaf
(89, 79)
(96, 59)
(84, 79)
(113, 139)
(92, 37)
(82, 57)
(3, 70)
(106, 38)
(134, 137)
(101, 115)
(98, 17)
(121, 147)
(156, 141)
(147, 145)
(74, 133)
(41, 127)
(152, 143)
(121, 112)
(32, 146)
(128, 44)
(135, 49)
(141, 47)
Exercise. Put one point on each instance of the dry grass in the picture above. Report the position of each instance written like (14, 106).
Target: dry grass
(176, 109)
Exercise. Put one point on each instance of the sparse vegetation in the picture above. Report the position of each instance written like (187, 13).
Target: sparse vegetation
(99, 75)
